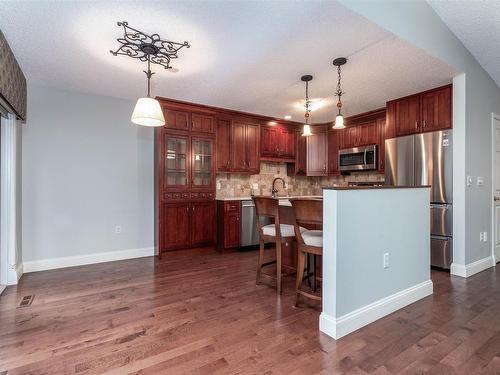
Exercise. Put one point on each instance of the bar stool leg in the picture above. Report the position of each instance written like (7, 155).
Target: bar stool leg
(261, 261)
(300, 275)
(314, 273)
(278, 267)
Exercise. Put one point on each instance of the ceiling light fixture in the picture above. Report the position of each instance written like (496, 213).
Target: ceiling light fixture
(288, 117)
(150, 49)
(339, 119)
(307, 128)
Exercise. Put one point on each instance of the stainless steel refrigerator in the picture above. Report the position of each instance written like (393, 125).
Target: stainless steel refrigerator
(426, 159)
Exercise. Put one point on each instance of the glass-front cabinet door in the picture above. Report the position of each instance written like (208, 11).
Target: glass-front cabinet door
(202, 153)
(176, 162)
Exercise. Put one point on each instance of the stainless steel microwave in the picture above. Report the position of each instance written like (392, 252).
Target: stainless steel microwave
(358, 158)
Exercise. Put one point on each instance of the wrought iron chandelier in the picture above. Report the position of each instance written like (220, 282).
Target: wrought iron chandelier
(150, 49)
(339, 119)
(307, 128)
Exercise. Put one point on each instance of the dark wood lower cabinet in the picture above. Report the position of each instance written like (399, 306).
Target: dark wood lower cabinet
(187, 224)
(228, 224)
(175, 226)
(202, 223)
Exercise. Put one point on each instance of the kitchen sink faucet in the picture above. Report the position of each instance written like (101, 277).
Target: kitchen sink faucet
(274, 190)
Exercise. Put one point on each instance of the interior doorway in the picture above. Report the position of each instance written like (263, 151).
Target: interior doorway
(496, 186)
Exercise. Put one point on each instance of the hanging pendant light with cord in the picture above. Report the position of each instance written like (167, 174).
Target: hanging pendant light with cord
(147, 111)
(307, 128)
(339, 119)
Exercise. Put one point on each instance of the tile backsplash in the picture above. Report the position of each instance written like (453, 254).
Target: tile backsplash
(240, 185)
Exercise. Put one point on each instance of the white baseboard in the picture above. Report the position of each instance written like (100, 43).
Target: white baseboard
(339, 327)
(14, 273)
(2, 288)
(80, 260)
(470, 269)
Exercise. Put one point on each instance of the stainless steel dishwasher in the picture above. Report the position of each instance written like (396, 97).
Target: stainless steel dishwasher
(249, 235)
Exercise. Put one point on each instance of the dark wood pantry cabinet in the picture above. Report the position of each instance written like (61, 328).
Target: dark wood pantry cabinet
(185, 153)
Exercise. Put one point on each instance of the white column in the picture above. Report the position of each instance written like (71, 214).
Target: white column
(11, 270)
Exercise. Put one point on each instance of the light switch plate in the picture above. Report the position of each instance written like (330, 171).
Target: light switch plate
(386, 260)
(480, 181)
(469, 180)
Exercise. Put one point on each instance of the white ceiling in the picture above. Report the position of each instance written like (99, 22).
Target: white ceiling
(245, 55)
(477, 25)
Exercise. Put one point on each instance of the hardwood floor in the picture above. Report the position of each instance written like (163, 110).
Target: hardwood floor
(200, 312)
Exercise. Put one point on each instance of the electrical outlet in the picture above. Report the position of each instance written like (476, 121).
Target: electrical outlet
(386, 260)
(480, 181)
(218, 185)
(118, 229)
(481, 237)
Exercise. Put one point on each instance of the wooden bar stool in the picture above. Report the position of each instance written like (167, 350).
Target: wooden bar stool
(267, 207)
(308, 213)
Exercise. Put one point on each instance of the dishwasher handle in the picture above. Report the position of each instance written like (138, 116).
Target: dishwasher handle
(247, 204)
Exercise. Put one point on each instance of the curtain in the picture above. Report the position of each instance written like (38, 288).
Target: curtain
(12, 80)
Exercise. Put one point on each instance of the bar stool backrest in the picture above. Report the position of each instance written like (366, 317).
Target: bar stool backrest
(307, 212)
(267, 207)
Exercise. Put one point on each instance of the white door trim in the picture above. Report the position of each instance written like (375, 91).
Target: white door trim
(11, 271)
(494, 117)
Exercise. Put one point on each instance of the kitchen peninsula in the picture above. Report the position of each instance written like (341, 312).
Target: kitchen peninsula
(375, 254)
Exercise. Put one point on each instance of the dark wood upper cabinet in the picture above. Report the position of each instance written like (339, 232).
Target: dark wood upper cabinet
(390, 121)
(277, 142)
(358, 134)
(424, 112)
(268, 141)
(407, 115)
(202, 123)
(368, 134)
(202, 163)
(245, 147)
(238, 153)
(333, 153)
(317, 152)
(436, 109)
(252, 148)
(203, 219)
(349, 136)
(287, 143)
(223, 155)
(176, 119)
(300, 165)
(174, 163)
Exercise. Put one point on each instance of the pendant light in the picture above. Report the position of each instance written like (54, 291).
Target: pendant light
(144, 47)
(147, 111)
(307, 128)
(339, 119)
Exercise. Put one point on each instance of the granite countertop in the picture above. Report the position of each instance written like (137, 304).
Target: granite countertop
(281, 197)
(374, 187)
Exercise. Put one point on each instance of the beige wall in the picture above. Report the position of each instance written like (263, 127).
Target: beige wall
(237, 185)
